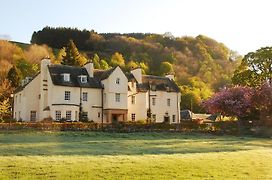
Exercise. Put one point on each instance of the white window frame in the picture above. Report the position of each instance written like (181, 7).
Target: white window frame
(173, 118)
(83, 79)
(67, 95)
(76, 115)
(33, 115)
(133, 117)
(68, 115)
(168, 102)
(85, 96)
(133, 99)
(58, 115)
(66, 77)
(154, 117)
(117, 97)
(117, 81)
(153, 101)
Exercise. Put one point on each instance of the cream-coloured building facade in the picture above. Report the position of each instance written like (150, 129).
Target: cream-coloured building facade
(61, 92)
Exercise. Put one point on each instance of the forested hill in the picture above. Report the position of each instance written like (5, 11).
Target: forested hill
(198, 56)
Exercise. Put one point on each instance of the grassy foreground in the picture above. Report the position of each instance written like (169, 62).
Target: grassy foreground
(96, 155)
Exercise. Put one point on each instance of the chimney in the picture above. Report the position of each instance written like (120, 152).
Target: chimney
(170, 76)
(137, 73)
(90, 68)
(44, 63)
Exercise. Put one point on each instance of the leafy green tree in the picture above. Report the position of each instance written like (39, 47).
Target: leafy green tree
(255, 68)
(193, 93)
(104, 65)
(131, 65)
(72, 56)
(60, 56)
(5, 109)
(190, 100)
(5, 102)
(96, 61)
(166, 68)
(26, 68)
(144, 67)
(14, 76)
(117, 59)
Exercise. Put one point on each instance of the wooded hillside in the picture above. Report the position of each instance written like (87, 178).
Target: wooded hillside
(201, 65)
(212, 62)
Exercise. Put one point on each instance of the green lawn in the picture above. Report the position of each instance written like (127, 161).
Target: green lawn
(96, 155)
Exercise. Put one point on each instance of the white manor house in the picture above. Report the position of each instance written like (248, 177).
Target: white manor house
(103, 96)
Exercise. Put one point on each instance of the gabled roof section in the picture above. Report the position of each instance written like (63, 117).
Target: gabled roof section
(130, 76)
(100, 75)
(20, 88)
(56, 72)
(157, 83)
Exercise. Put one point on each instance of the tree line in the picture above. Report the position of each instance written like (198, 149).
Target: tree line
(201, 65)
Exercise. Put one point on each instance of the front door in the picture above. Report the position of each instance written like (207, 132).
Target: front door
(166, 119)
(114, 118)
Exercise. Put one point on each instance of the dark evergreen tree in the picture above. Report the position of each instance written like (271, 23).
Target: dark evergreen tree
(72, 56)
(14, 76)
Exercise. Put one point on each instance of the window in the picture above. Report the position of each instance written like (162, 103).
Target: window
(117, 97)
(133, 117)
(132, 99)
(153, 87)
(58, 115)
(168, 102)
(174, 118)
(76, 115)
(15, 116)
(67, 95)
(66, 77)
(83, 79)
(85, 96)
(32, 115)
(132, 84)
(68, 115)
(19, 98)
(98, 114)
(85, 116)
(117, 80)
(154, 117)
(153, 101)
(19, 117)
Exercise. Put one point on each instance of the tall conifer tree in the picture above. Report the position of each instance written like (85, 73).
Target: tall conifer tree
(72, 56)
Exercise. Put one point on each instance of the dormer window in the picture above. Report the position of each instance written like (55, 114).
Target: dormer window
(83, 79)
(66, 77)
(153, 87)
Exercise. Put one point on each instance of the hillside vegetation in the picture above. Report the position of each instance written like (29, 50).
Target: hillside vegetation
(212, 62)
(201, 65)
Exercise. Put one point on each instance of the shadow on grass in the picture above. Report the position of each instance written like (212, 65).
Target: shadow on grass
(99, 143)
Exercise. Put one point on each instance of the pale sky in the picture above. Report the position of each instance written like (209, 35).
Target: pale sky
(242, 25)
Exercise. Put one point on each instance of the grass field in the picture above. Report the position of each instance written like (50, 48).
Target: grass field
(96, 155)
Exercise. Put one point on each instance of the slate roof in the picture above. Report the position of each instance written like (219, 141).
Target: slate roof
(56, 72)
(157, 83)
(130, 76)
(103, 74)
